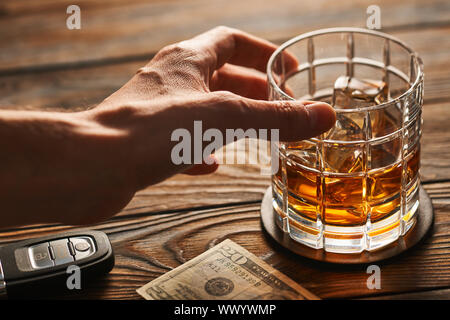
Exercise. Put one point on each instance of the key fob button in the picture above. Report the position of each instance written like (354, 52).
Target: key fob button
(84, 247)
(39, 255)
(61, 253)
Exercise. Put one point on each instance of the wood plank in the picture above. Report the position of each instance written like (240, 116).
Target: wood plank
(15, 8)
(68, 88)
(121, 28)
(435, 143)
(148, 246)
(65, 90)
(442, 294)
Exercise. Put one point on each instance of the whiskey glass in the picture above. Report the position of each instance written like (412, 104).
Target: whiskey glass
(355, 187)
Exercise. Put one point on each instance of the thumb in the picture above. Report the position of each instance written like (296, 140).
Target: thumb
(296, 120)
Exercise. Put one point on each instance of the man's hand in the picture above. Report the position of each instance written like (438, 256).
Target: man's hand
(215, 77)
(85, 167)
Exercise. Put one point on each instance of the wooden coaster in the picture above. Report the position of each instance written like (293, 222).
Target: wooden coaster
(424, 222)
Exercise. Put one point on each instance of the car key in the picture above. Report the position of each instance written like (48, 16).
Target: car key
(40, 266)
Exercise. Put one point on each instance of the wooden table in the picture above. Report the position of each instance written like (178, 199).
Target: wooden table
(43, 65)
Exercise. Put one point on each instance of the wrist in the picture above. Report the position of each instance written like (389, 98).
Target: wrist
(103, 166)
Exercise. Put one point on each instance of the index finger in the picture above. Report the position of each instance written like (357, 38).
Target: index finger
(227, 45)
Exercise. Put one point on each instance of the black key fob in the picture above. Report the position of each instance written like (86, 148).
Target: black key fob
(54, 264)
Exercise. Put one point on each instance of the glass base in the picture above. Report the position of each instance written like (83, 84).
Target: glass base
(343, 239)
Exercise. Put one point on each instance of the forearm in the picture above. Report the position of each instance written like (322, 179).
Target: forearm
(57, 167)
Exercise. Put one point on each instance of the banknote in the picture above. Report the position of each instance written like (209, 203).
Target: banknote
(225, 272)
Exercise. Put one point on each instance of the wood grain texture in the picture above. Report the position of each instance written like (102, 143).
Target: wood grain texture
(440, 294)
(45, 66)
(146, 246)
(70, 88)
(122, 28)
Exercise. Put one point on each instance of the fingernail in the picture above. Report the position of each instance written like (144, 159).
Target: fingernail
(321, 116)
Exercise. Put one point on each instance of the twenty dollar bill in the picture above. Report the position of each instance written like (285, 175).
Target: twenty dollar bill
(226, 271)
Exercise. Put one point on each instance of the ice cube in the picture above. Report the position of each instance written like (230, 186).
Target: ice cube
(303, 152)
(343, 158)
(348, 127)
(350, 93)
